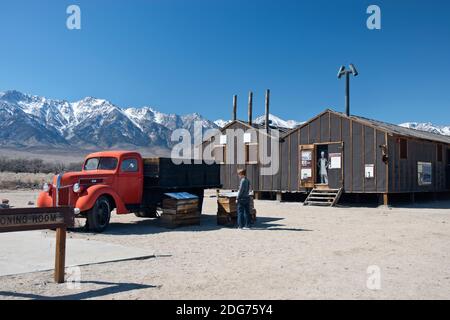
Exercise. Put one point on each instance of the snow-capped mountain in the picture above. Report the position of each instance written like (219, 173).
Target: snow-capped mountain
(427, 126)
(27, 120)
(274, 121)
(277, 122)
(221, 123)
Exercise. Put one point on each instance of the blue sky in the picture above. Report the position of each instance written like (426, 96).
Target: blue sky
(193, 55)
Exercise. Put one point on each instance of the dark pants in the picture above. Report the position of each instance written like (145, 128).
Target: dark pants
(244, 218)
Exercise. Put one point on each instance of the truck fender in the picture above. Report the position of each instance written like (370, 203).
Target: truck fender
(89, 196)
(44, 200)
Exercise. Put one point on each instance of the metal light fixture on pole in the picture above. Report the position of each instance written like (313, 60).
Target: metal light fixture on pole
(343, 71)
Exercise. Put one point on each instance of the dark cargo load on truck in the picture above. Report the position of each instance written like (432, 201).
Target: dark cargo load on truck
(163, 173)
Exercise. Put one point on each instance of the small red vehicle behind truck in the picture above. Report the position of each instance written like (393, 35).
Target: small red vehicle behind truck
(125, 181)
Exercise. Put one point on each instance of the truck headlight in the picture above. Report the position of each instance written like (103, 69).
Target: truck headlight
(46, 187)
(76, 187)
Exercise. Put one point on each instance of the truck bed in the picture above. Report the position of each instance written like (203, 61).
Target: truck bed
(163, 173)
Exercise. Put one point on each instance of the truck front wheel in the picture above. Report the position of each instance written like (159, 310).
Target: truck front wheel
(98, 217)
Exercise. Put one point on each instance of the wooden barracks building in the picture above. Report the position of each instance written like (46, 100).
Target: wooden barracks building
(363, 156)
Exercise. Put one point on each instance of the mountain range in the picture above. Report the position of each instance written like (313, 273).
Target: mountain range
(427, 126)
(33, 121)
(29, 121)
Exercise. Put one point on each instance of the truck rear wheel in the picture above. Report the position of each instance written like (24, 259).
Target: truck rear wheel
(149, 212)
(98, 217)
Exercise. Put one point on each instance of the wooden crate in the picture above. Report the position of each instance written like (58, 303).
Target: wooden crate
(174, 221)
(174, 206)
(180, 209)
(227, 210)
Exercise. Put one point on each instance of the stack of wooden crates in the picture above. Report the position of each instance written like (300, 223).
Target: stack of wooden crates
(180, 209)
(227, 209)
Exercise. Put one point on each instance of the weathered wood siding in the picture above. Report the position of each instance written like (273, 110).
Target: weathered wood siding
(228, 175)
(361, 146)
(404, 172)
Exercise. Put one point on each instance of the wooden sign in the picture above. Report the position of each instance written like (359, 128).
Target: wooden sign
(60, 218)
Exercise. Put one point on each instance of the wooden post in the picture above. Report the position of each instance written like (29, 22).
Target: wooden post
(234, 107)
(267, 111)
(60, 256)
(250, 108)
(279, 196)
(385, 199)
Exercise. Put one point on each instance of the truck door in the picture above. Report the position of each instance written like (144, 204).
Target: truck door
(130, 181)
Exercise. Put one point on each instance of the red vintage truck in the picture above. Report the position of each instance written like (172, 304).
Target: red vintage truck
(125, 181)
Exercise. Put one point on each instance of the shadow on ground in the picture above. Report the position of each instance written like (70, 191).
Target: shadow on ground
(111, 288)
(400, 200)
(208, 223)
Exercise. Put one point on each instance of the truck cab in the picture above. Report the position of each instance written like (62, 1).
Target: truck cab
(108, 180)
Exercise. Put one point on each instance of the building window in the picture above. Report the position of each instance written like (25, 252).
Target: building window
(220, 154)
(424, 173)
(251, 153)
(403, 149)
(440, 155)
(129, 165)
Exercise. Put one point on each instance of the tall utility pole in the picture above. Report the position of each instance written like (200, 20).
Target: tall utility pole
(347, 73)
(267, 122)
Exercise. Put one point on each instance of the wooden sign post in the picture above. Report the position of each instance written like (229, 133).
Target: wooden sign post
(60, 218)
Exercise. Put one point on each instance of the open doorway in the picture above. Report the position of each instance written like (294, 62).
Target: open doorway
(329, 164)
(322, 164)
(311, 162)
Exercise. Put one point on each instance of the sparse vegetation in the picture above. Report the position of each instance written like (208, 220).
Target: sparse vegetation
(23, 173)
(22, 165)
(15, 181)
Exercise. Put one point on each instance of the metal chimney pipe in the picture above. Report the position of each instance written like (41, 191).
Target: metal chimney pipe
(267, 110)
(234, 107)
(347, 94)
(250, 108)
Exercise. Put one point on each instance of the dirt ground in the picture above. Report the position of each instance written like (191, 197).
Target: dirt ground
(294, 252)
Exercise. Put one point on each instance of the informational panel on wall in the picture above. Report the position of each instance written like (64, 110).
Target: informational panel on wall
(370, 171)
(424, 173)
(306, 168)
(334, 161)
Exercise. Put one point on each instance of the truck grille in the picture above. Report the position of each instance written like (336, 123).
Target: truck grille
(63, 197)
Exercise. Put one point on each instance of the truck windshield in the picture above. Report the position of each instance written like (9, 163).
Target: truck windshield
(103, 163)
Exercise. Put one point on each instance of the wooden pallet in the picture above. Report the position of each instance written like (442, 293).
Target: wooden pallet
(323, 197)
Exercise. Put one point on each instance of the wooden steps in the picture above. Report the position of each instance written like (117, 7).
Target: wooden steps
(323, 197)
